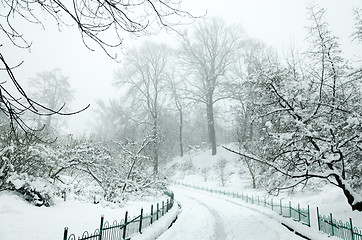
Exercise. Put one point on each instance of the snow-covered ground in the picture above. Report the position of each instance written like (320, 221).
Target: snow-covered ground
(20, 220)
(202, 215)
(327, 198)
(210, 216)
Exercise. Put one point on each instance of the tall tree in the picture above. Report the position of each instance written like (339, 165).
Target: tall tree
(176, 89)
(53, 90)
(314, 117)
(207, 54)
(358, 24)
(144, 72)
(248, 99)
(100, 23)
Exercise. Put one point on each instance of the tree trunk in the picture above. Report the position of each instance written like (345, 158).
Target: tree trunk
(251, 171)
(47, 125)
(155, 163)
(180, 134)
(155, 146)
(348, 192)
(211, 125)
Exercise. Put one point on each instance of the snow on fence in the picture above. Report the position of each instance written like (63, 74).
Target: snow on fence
(327, 225)
(332, 227)
(127, 226)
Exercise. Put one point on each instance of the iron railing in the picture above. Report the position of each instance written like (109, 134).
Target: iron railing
(332, 227)
(127, 226)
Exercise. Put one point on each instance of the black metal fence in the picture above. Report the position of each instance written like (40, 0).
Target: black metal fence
(296, 213)
(127, 226)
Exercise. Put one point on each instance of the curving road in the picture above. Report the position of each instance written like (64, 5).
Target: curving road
(206, 216)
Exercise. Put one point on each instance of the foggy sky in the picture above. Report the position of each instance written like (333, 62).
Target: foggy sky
(276, 22)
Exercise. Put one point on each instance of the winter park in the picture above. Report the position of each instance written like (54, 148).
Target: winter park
(180, 119)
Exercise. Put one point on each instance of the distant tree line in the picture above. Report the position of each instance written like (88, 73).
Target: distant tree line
(298, 117)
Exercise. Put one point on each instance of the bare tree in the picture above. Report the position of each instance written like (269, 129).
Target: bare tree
(207, 54)
(52, 89)
(101, 22)
(144, 72)
(94, 19)
(176, 89)
(15, 103)
(358, 24)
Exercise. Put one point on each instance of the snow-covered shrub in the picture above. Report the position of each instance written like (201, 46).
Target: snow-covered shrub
(187, 167)
(221, 172)
(35, 190)
(205, 172)
(25, 169)
(87, 171)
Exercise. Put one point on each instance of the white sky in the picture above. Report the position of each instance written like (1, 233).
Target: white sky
(276, 22)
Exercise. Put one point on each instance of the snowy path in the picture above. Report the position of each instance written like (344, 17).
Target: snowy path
(206, 216)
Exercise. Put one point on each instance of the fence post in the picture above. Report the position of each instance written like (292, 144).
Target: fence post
(281, 208)
(272, 204)
(319, 224)
(264, 202)
(308, 217)
(65, 236)
(298, 212)
(158, 209)
(352, 233)
(163, 208)
(101, 228)
(141, 217)
(125, 225)
(151, 213)
(167, 205)
(290, 209)
(332, 223)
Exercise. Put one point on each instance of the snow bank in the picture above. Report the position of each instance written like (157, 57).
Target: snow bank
(159, 227)
(22, 221)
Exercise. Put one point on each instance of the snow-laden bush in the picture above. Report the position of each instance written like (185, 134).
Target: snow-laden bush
(36, 190)
(85, 171)
(25, 169)
(221, 170)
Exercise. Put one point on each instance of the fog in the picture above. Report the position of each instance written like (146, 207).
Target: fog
(279, 24)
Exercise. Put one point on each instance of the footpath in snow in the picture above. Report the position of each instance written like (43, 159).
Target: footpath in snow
(205, 216)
